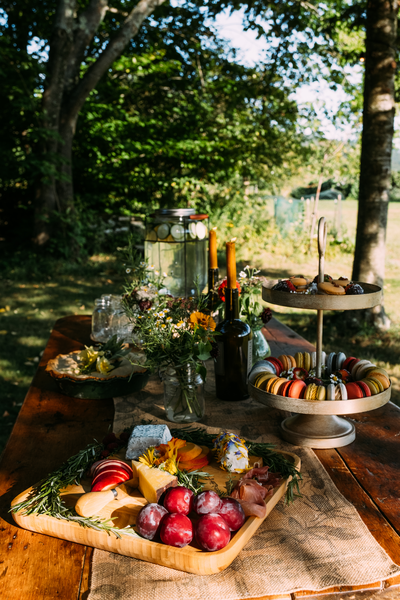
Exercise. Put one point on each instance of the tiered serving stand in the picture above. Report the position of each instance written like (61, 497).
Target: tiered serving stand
(318, 424)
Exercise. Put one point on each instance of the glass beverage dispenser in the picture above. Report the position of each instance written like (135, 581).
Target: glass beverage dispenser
(176, 243)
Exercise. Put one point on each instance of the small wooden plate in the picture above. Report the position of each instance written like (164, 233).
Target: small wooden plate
(372, 297)
(189, 559)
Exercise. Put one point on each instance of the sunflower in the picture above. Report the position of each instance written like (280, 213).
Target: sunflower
(202, 320)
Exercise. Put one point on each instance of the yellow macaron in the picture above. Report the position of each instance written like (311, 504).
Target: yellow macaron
(306, 361)
(374, 389)
(299, 358)
(377, 382)
(379, 374)
(262, 379)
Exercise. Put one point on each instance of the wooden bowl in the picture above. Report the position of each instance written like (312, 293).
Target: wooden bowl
(372, 296)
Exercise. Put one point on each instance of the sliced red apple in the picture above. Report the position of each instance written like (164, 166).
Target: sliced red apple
(107, 474)
(106, 464)
(106, 484)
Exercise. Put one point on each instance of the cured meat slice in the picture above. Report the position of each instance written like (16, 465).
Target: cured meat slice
(251, 509)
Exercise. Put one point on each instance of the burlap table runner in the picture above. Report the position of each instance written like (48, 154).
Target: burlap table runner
(314, 544)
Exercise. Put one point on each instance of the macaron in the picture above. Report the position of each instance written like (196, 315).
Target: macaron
(314, 359)
(269, 383)
(380, 375)
(259, 370)
(284, 388)
(340, 392)
(276, 384)
(330, 391)
(276, 364)
(358, 365)
(321, 392)
(307, 361)
(363, 370)
(262, 379)
(329, 362)
(377, 382)
(296, 389)
(287, 361)
(354, 391)
(373, 386)
(299, 358)
(349, 363)
(365, 388)
(311, 392)
(339, 360)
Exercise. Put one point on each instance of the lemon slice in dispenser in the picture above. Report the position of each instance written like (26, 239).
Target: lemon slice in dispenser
(178, 232)
(192, 230)
(163, 231)
(151, 236)
(201, 230)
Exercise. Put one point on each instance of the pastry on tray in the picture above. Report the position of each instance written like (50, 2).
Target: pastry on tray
(298, 284)
(101, 371)
(342, 378)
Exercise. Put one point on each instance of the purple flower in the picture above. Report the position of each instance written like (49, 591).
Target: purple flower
(144, 305)
(266, 315)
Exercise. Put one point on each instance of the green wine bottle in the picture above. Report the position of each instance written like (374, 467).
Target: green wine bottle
(234, 359)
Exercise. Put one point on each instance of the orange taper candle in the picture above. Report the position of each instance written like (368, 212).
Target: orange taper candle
(213, 249)
(231, 264)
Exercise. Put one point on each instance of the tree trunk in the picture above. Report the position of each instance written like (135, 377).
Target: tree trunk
(65, 94)
(376, 149)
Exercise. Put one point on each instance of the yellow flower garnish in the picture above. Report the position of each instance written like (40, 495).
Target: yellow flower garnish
(148, 457)
(202, 320)
(169, 466)
(88, 356)
(103, 365)
(170, 450)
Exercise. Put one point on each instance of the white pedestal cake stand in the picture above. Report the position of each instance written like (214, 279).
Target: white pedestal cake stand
(318, 424)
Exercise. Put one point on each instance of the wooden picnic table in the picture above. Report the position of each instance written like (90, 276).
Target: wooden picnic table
(52, 427)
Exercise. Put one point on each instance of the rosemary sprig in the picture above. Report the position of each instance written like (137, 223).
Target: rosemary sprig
(193, 481)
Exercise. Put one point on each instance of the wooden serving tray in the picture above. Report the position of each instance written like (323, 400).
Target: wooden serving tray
(190, 559)
(372, 297)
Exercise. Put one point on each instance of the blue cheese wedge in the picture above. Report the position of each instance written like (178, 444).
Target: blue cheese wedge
(144, 436)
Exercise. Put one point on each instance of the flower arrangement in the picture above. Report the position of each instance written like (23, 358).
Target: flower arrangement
(177, 336)
(250, 309)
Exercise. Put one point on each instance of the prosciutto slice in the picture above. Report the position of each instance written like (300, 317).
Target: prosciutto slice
(252, 489)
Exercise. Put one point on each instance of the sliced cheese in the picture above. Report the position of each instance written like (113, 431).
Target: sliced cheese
(152, 481)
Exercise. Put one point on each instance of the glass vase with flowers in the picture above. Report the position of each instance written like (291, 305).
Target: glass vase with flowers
(177, 337)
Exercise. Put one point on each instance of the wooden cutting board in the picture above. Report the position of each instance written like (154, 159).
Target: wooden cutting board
(190, 559)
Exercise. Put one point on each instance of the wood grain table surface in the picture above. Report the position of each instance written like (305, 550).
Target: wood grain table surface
(52, 427)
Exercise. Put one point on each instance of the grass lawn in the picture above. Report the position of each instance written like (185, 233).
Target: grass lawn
(31, 301)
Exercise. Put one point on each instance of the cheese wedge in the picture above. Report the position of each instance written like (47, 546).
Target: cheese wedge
(152, 481)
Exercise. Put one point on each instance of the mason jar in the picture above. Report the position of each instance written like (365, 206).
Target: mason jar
(183, 394)
(101, 318)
